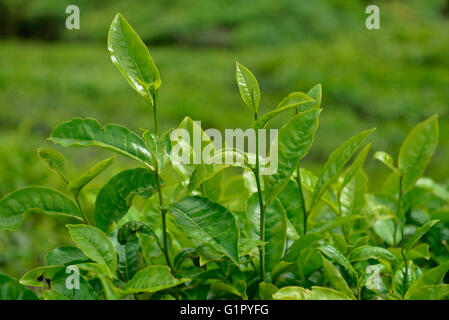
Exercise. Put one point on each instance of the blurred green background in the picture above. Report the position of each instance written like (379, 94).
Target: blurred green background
(390, 78)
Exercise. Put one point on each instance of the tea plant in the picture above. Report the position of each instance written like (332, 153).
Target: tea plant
(288, 235)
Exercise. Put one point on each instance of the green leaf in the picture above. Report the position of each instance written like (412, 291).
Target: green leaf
(220, 288)
(336, 279)
(387, 160)
(78, 184)
(431, 277)
(275, 229)
(316, 94)
(56, 162)
(40, 276)
(248, 87)
(294, 141)
(128, 231)
(435, 292)
(332, 253)
(355, 166)
(266, 290)
(113, 137)
(235, 194)
(336, 162)
(417, 150)
(15, 206)
(115, 198)
(300, 245)
(419, 233)
(152, 279)
(160, 147)
(208, 222)
(370, 252)
(66, 256)
(59, 285)
(316, 293)
(132, 58)
(11, 289)
(291, 201)
(352, 198)
(294, 100)
(213, 187)
(96, 246)
(127, 259)
(329, 225)
(183, 255)
(398, 279)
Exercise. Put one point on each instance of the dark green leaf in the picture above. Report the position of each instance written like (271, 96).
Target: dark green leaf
(294, 141)
(65, 256)
(115, 198)
(370, 252)
(11, 289)
(113, 137)
(128, 231)
(275, 229)
(208, 222)
(15, 206)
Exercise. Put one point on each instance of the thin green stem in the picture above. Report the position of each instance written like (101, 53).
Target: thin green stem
(78, 203)
(398, 211)
(203, 190)
(159, 189)
(301, 193)
(403, 253)
(262, 210)
(156, 123)
(302, 198)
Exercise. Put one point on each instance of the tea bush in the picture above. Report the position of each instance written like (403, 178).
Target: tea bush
(166, 230)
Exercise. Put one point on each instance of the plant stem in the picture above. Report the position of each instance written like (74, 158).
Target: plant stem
(77, 200)
(302, 198)
(159, 189)
(301, 192)
(403, 253)
(398, 210)
(262, 210)
(156, 123)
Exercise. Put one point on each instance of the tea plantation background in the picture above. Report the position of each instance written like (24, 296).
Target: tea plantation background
(390, 78)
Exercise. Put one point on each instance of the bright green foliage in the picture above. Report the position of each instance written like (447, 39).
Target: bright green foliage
(194, 232)
(55, 160)
(131, 56)
(95, 245)
(248, 87)
(417, 150)
(152, 279)
(16, 205)
(77, 185)
(295, 140)
(11, 289)
(208, 222)
(116, 138)
(115, 198)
